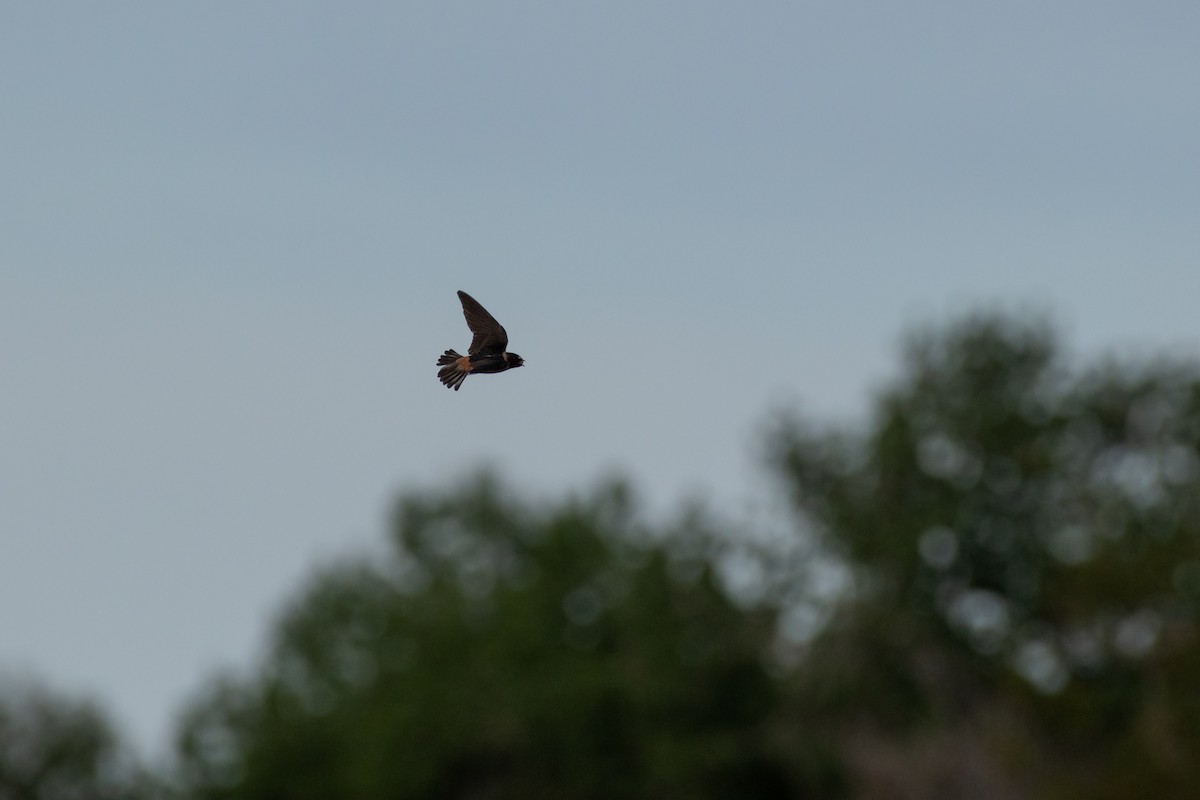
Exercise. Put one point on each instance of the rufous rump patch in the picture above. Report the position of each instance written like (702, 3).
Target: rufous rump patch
(464, 364)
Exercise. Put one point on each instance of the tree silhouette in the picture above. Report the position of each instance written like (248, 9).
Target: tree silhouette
(502, 651)
(56, 748)
(1024, 541)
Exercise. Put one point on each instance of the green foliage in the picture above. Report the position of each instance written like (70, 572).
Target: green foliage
(55, 748)
(1024, 542)
(499, 651)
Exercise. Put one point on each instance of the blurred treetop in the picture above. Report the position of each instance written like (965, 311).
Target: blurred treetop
(1024, 541)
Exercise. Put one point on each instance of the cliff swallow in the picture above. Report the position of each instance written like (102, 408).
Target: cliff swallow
(487, 352)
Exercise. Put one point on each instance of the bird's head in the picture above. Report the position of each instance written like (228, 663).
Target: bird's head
(513, 360)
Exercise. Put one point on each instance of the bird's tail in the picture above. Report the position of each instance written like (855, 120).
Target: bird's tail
(454, 369)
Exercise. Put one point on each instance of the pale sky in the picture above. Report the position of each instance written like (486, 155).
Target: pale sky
(232, 233)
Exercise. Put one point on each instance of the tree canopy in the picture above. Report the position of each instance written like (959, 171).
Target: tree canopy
(55, 747)
(987, 588)
(502, 651)
(1024, 541)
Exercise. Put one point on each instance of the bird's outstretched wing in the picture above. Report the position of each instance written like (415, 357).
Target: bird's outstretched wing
(490, 338)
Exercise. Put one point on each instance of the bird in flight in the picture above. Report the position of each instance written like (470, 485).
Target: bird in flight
(488, 351)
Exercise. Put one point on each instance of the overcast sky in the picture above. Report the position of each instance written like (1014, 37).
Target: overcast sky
(232, 233)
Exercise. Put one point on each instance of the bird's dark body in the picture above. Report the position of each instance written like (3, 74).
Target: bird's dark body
(488, 363)
(487, 353)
